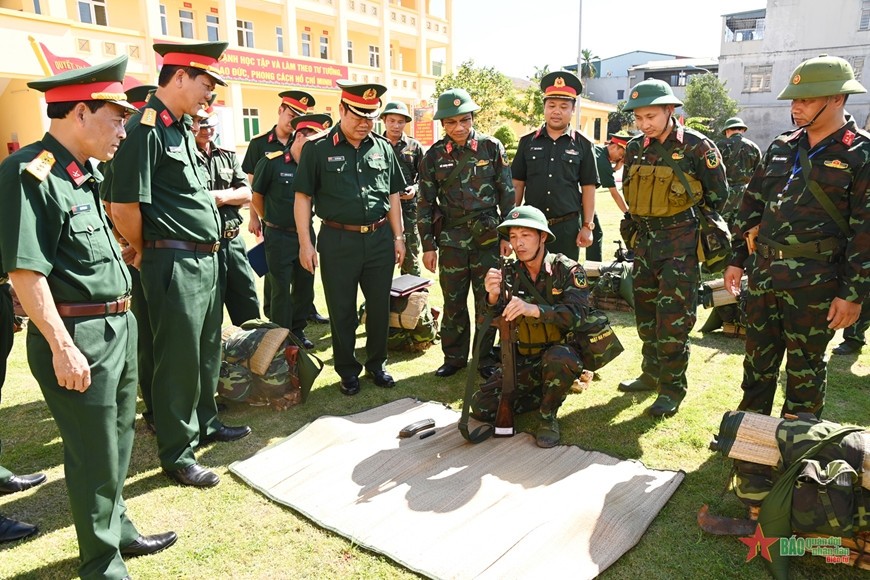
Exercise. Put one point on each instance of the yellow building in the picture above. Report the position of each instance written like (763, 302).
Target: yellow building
(274, 45)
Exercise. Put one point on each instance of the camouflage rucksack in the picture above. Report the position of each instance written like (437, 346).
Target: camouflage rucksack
(413, 323)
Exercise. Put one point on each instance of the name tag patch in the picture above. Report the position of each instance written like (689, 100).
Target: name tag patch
(335, 158)
(77, 209)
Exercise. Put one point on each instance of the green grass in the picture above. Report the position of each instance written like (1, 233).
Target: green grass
(232, 531)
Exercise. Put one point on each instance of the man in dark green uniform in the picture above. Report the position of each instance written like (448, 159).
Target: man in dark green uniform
(666, 273)
(164, 210)
(554, 170)
(228, 186)
(293, 104)
(741, 158)
(409, 152)
(353, 179)
(71, 280)
(608, 159)
(274, 198)
(806, 215)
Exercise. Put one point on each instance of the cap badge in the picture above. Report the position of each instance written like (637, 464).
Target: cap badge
(559, 82)
(304, 100)
(515, 215)
(370, 94)
(796, 79)
(634, 95)
(456, 102)
(326, 124)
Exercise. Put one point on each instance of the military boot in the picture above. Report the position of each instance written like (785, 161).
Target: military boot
(547, 434)
(640, 384)
(664, 406)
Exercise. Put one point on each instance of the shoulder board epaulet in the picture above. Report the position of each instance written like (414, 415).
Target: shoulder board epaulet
(149, 117)
(41, 165)
(379, 136)
(261, 135)
(274, 154)
(790, 135)
(582, 135)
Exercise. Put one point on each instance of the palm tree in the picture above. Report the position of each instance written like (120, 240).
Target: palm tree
(588, 69)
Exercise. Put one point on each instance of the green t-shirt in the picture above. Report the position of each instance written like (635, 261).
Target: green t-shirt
(605, 169)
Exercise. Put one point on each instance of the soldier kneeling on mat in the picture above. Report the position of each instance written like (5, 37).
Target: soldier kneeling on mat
(550, 304)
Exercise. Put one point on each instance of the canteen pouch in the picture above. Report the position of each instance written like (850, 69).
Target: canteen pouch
(714, 241)
(628, 230)
(823, 501)
(484, 230)
(599, 344)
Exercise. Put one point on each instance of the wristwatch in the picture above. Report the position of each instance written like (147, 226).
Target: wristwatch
(589, 225)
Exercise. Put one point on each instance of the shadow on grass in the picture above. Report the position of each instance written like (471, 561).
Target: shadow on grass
(58, 570)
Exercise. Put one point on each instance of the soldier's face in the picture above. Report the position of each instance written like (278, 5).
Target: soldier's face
(285, 115)
(354, 127)
(395, 125)
(652, 120)
(203, 135)
(525, 242)
(558, 113)
(103, 131)
(615, 153)
(804, 110)
(198, 91)
(458, 127)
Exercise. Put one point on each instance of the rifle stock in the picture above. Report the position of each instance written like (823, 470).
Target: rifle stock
(504, 417)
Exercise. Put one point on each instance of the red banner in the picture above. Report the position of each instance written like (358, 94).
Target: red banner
(59, 64)
(424, 126)
(237, 65)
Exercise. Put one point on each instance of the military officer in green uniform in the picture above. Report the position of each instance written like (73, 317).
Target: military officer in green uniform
(409, 152)
(608, 159)
(229, 188)
(554, 170)
(465, 175)
(274, 199)
(71, 280)
(669, 171)
(352, 178)
(164, 210)
(806, 218)
(741, 158)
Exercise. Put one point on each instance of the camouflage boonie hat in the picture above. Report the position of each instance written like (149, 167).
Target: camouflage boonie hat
(651, 92)
(822, 76)
(526, 216)
(734, 123)
(235, 382)
(454, 102)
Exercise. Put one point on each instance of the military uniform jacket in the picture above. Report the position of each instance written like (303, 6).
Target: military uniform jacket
(274, 179)
(483, 184)
(348, 185)
(605, 168)
(779, 200)
(409, 152)
(162, 172)
(554, 170)
(259, 146)
(224, 172)
(741, 158)
(56, 226)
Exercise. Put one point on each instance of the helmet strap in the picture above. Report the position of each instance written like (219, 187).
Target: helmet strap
(815, 117)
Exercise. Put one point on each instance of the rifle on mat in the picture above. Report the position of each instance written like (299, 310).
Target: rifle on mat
(504, 417)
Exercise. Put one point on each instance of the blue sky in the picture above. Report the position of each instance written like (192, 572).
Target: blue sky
(515, 36)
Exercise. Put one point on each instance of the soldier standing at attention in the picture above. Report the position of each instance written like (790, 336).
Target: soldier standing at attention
(228, 186)
(741, 158)
(409, 152)
(466, 176)
(71, 280)
(274, 199)
(554, 170)
(167, 214)
(806, 218)
(666, 272)
(353, 180)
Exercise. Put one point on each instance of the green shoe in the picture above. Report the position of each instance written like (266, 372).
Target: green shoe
(664, 406)
(636, 386)
(547, 434)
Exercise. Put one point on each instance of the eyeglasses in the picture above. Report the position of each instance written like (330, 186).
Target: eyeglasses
(207, 129)
(465, 121)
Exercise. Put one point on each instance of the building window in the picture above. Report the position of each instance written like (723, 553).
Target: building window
(164, 25)
(857, 63)
(212, 27)
(620, 94)
(251, 123)
(324, 47)
(185, 20)
(246, 33)
(279, 38)
(374, 56)
(756, 79)
(36, 8)
(864, 23)
(306, 44)
(93, 12)
(349, 52)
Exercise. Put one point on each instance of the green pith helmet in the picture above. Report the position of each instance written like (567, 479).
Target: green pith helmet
(651, 92)
(397, 108)
(526, 216)
(454, 102)
(822, 76)
(734, 123)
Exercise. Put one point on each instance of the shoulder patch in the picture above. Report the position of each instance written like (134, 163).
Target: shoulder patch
(149, 117)
(41, 166)
(578, 276)
(274, 154)
(711, 158)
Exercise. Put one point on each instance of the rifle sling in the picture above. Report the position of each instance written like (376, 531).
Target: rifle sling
(486, 430)
(819, 194)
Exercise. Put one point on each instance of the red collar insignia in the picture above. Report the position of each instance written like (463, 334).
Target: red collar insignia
(680, 132)
(848, 138)
(166, 117)
(335, 139)
(75, 173)
(270, 138)
(287, 157)
(474, 144)
(449, 147)
(646, 142)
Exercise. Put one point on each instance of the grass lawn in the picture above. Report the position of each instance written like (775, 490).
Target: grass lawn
(232, 531)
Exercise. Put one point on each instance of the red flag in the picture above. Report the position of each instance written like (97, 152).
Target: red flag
(59, 64)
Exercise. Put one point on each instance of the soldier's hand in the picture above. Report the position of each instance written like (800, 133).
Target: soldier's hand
(843, 313)
(254, 225)
(399, 246)
(72, 369)
(128, 254)
(505, 248)
(733, 276)
(308, 257)
(492, 282)
(517, 307)
(430, 260)
(137, 261)
(584, 238)
(409, 193)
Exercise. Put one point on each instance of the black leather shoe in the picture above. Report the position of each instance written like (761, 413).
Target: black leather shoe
(350, 386)
(317, 318)
(12, 530)
(21, 482)
(848, 347)
(148, 419)
(306, 343)
(226, 434)
(383, 379)
(147, 545)
(448, 370)
(487, 371)
(194, 475)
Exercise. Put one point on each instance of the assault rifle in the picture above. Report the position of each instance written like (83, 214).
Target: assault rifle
(504, 416)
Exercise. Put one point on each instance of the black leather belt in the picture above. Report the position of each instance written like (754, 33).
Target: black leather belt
(277, 227)
(209, 248)
(76, 309)
(658, 223)
(563, 218)
(364, 229)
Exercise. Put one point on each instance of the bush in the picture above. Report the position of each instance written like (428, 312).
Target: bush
(507, 137)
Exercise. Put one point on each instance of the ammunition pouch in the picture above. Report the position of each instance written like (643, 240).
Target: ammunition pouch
(533, 336)
(656, 191)
(714, 241)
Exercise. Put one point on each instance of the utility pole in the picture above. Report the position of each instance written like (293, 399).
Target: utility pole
(579, 62)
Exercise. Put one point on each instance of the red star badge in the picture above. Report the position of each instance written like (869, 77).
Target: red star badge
(758, 543)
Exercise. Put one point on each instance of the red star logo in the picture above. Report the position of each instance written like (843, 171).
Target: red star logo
(758, 543)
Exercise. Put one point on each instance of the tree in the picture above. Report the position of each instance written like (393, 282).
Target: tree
(707, 97)
(619, 119)
(487, 87)
(527, 107)
(587, 67)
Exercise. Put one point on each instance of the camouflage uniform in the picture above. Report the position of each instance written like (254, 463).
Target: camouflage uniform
(409, 152)
(666, 272)
(741, 158)
(789, 296)
(856, 333)
(469, 242)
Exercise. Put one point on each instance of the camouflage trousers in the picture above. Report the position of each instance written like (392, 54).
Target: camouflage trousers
(460, 269)
(856, 332)
(666, 277)
(543, 382)
(793, 323)
(411, 264)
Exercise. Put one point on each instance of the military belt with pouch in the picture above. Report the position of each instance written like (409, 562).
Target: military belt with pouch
(825, 250)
